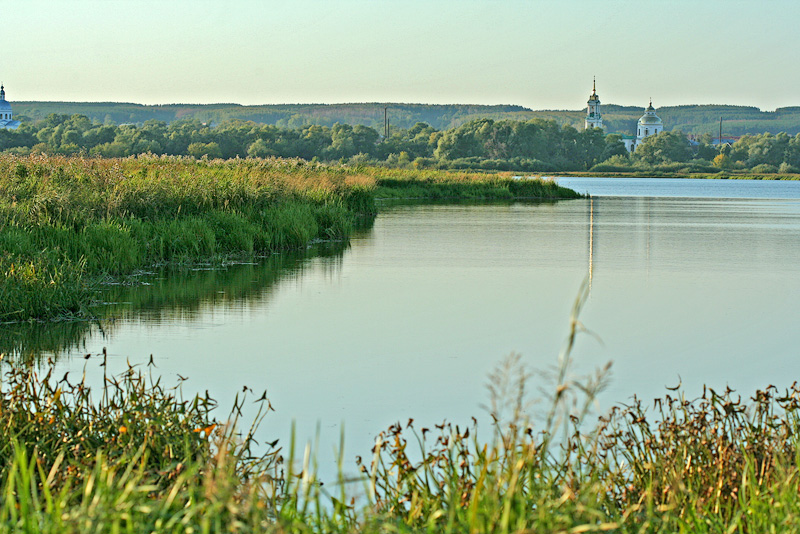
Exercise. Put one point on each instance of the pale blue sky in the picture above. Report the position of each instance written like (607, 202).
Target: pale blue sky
(536, 53)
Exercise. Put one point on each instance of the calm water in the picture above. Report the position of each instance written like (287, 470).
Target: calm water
(699, 282)
(683, 188)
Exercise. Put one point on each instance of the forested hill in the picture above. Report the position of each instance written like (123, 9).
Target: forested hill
(441, 117)
(691, 119)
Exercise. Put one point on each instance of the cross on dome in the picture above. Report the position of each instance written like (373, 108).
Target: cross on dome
(7, 121)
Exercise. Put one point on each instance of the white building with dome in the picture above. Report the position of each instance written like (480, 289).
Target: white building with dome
(593, 117)
(6, 116)
(649, 124)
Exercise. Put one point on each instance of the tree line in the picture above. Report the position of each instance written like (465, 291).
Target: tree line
(484, 143)
(692, 119)
(440, 116)
(536, 145)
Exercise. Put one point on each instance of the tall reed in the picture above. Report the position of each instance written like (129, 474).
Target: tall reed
(136, 456)
(67, 222)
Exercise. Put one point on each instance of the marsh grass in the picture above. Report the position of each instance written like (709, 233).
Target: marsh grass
(65, 223)
(137, 457)
(712, 464)
(68, 222)
(437, 185)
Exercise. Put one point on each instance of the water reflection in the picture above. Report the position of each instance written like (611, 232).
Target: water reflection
(170, 295)
(185, 295)
(29, 341)
(411, 318)
(591, 242)
(724, 235)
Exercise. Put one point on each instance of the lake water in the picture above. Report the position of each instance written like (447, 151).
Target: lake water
(683, 188)
(691, 280)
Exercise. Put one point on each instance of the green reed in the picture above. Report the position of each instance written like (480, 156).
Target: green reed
(68, 222)
(437, 185)
(136, 456)
(716, 463)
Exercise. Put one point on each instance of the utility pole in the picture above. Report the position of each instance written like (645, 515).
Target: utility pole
(386, 122)
(720, 132)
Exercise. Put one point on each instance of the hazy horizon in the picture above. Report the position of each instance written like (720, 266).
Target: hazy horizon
(540, 54)
(575, 110)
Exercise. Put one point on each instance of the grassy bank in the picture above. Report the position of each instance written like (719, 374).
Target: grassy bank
(438, 185)
(68, 223)
(171, 293)
(137, 457)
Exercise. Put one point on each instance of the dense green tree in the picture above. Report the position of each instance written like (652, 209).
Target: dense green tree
(766, 149)
(98, 135)
(613, 147)
(260, 149)
(484, 143)
(198, 150)
(792, 158)
(347, 141)
(665, 147)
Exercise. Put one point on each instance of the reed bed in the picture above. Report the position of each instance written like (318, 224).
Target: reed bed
(135, 458)
(716, 463)
(711, 464)
(68, 222)
(138, 457)
(438, 185)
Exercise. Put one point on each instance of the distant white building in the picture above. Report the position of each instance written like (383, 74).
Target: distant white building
(593, 117)
(6, 120)
(649, 124)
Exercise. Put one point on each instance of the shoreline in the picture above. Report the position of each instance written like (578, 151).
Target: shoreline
(655, 175)
(70, 222)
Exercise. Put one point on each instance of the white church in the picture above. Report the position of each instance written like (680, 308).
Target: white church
(649, 123)
(6, 120)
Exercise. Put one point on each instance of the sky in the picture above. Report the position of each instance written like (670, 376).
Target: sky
(541, 54)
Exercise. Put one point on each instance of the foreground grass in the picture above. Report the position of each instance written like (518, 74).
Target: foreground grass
(68, 223)
(137, 457)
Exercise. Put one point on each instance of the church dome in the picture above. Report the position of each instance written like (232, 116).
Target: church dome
(4, 105)
(650, 119)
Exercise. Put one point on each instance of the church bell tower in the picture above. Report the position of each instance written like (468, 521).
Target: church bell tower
(593, 117)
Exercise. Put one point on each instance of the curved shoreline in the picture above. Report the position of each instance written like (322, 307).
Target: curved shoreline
(68, 223)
